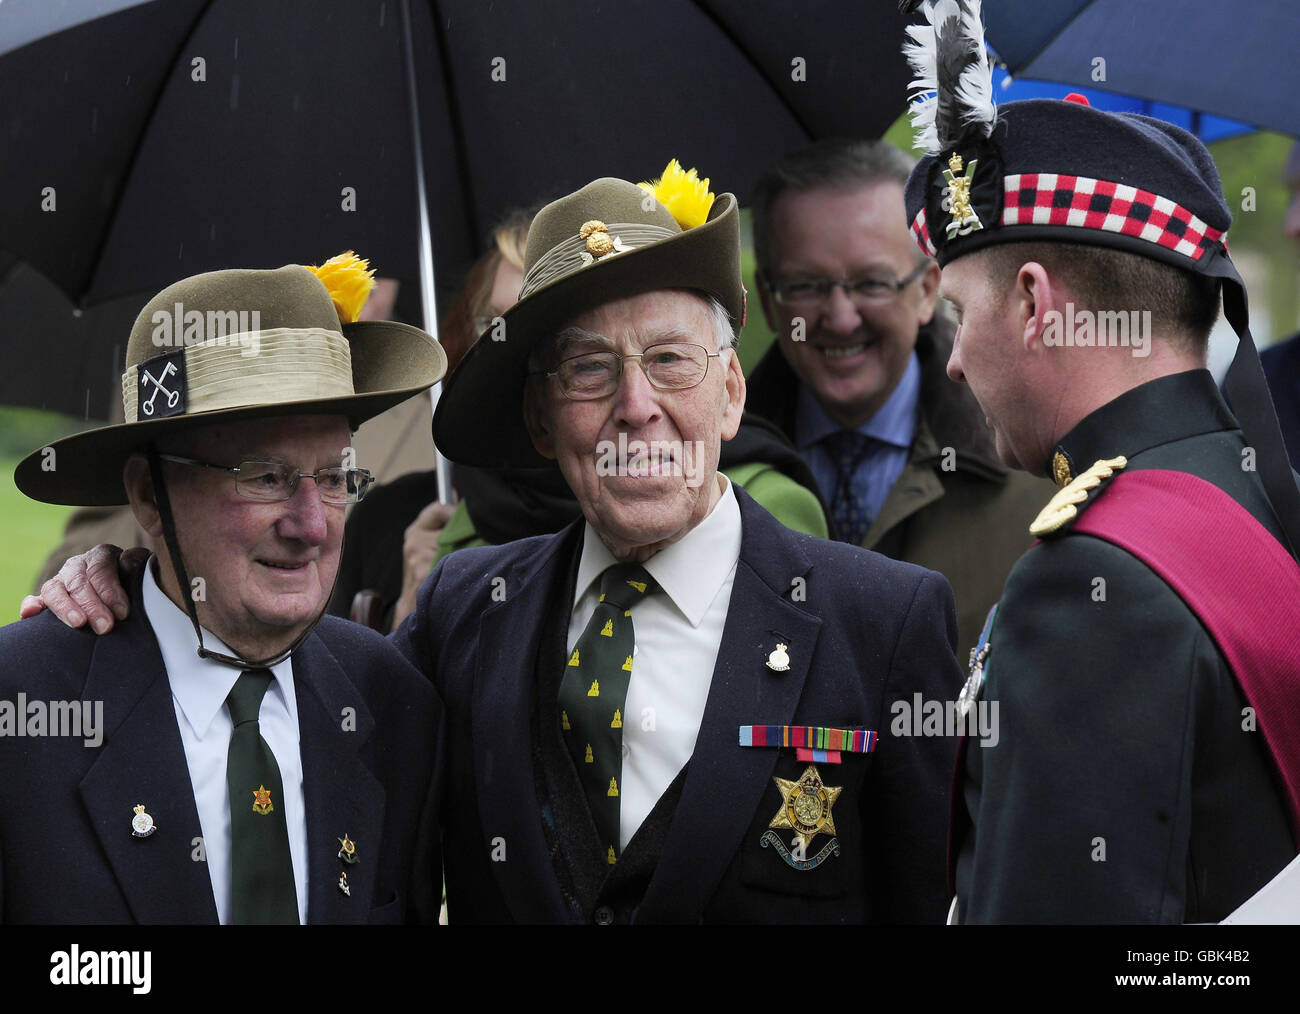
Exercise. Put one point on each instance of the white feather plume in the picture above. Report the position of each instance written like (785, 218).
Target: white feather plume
(952, 91)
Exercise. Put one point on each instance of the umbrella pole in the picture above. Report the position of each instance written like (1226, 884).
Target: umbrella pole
(428, 295)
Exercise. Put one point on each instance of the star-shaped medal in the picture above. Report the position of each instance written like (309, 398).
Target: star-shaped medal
(262, 800)
(806, 805)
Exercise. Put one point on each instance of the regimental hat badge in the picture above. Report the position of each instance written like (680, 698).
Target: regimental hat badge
(262, 800)
(348, 849)
(956, 198)
(161, 386)
(806, 807)
(599, 242)
(142, 825)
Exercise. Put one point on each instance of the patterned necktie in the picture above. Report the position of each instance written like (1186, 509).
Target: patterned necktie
(848, 506)
(262, 884)
(594, 691)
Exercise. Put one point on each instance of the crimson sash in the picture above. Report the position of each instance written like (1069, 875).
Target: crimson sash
(1235, 576)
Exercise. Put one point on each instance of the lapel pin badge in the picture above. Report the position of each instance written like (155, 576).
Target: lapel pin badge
(348, 851)
(142, 825)
(343, 884)
(778, 660)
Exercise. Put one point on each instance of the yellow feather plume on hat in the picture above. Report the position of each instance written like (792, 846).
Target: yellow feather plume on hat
(683, 193)
(349, 279)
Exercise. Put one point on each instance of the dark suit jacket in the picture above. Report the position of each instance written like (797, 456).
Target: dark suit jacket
(1282, 370)
(862, 630)
(368, 726)
(961, 513)
(1124, 786)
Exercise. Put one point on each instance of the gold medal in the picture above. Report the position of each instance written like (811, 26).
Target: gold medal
(806, 805)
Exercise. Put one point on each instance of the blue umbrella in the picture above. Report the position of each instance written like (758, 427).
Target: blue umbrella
(1205, 126)
(1232, 60)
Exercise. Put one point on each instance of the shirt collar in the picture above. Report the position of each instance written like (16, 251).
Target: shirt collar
(200, 685)
(894, 422)
(691, 571)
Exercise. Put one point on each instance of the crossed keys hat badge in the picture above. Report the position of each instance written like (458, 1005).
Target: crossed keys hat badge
(168, 364)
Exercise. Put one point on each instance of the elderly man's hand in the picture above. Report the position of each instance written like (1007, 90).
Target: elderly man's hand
(89, 587)
(419, 549)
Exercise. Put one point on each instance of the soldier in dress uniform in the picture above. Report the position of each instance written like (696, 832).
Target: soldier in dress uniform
(1142, 664)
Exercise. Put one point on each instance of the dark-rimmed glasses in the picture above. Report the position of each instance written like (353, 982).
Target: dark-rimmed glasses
(812, 293)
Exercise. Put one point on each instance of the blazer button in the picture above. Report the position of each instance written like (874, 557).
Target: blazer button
(603, 916)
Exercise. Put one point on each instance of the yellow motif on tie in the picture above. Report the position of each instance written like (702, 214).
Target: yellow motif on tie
(610, 857)
(595, 689)
(638, 585)
(564, 721)
(262, 800)
(573, 659)
(613, 787)
(608, 629)
(627, 666)
(602, 597)
(618, 719)
(627, 612)
(589, 758)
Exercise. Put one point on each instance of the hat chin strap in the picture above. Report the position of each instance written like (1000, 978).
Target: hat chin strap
(178, 568)
(1248, 394)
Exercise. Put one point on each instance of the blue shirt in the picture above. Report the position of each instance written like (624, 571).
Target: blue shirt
(892, 429)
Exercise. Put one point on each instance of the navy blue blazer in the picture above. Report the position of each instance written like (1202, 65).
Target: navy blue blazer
(1281, 364)
(862, 632)
(368, 730)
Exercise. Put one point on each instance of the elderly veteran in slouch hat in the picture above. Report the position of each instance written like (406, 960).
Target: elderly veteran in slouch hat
(1144, 658)
(244, 767)
(666, 712)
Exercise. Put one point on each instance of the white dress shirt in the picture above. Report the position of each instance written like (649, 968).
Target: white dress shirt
(199, 689)
(678, 630)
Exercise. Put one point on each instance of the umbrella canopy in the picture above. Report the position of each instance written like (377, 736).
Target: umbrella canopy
(1228, 60)
(171, 138)
(1207, 128)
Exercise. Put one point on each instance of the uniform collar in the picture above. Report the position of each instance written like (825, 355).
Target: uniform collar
(1158, 412)
(691, 570)
(200, 685)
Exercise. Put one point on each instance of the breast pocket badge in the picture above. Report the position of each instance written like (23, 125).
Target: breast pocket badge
(806, 808)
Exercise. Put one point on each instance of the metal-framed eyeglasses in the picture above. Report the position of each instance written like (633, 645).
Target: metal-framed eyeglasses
(672, 366)
(811, 293)
(275, 480)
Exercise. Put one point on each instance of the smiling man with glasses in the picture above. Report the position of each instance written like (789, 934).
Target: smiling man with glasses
(259, 763)
(856, 380)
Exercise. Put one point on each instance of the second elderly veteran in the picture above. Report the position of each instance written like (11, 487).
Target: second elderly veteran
(251, 761)
(627, 698)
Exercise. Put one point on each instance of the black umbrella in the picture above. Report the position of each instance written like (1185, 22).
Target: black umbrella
(171, 138)
(176, 137)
